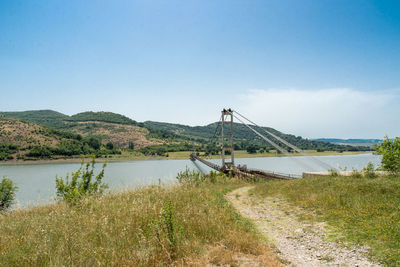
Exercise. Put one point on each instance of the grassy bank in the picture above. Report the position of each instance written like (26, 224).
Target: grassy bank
(363, 210)
(153, 226)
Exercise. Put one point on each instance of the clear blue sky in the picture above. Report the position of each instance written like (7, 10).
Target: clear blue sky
(313, 68)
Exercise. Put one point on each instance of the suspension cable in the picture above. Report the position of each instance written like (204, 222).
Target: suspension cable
(284, 151)
(319, 162)
(216, 128)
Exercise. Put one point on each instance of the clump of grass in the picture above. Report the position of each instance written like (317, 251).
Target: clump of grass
(365, 210)
(152, 226)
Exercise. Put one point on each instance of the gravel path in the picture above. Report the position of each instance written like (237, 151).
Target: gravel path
(298, 243)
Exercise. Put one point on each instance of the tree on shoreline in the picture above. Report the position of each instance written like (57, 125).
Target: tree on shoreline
(390, 151)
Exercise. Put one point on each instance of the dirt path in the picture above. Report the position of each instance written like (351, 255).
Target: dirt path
(298, 243)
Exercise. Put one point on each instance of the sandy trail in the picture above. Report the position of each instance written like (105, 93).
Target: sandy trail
(298, 243)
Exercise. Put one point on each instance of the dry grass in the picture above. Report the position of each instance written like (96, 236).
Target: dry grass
(128, 229)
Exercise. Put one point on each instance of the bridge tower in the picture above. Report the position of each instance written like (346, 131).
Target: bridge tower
(227, 138)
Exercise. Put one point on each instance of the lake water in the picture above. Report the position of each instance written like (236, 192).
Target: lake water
(36, 182)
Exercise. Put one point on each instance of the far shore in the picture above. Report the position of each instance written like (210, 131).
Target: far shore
(173, 156)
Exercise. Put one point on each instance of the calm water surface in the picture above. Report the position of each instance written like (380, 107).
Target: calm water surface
(36, 183)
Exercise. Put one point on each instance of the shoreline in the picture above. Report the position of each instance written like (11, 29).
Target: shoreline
(182, 155)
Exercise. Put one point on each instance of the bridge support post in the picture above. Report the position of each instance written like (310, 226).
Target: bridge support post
(227, 138)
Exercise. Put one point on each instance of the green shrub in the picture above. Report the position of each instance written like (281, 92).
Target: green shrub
(82, 183)
(390, 151)
(167, 230)
(7, 193)
(369, 171)
(191, 177)
(195, 178)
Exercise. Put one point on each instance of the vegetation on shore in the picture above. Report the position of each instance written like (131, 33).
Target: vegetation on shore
(390, 151)
(83, 183)
(22, 140)
(187, 224)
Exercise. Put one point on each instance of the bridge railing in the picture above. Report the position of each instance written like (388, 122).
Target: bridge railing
(290, 176)
(296, 176)
(249, 171)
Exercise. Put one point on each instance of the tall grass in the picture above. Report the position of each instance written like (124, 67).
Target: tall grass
(152, 226)
(365, 209)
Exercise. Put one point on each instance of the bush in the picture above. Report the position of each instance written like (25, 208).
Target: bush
(131, 145)
(195, 178)
(190, 177)
(167, 231)
(7, 193)
(110, 146)
(81, 184)
(390, 151)
(40, 152)
(251, 149)
(94, 143)
(369, 171)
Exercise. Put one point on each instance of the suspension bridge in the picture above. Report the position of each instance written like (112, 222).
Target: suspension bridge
(227, 150)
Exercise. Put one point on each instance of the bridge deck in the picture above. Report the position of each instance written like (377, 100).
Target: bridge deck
(246, 172)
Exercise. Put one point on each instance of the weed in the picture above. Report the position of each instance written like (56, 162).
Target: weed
(369, 171)
(167, 231)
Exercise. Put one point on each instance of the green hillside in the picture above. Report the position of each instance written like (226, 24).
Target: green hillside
(44, 117)
(101, 116)
(353, 142)
(27, 140)
(58, 120)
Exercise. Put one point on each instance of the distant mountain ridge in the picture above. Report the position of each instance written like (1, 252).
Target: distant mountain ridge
(337, 140)
(108, 127)
(59, 120)
(244, 137)
(353, 142)
(45, 117)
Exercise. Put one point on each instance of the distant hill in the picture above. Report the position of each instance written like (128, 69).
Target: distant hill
(244, 137)
(119, 134)
(44, 117)
(28, 140)
(58, 120)
(105, 126)
(352, 142)
(101, 116)
(123, 131)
